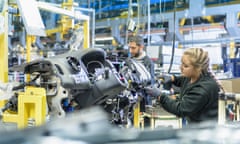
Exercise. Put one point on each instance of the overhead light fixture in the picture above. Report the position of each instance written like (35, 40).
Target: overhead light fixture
(104, 38)
(204, 11)
(186, 13)
(180, 2)
(131, 25)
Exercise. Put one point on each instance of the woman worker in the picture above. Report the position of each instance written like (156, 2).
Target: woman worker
(199, 89)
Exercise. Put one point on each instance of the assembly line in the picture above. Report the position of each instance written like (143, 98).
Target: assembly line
(129, 71)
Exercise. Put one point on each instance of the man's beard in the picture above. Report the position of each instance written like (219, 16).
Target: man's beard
(137, 54)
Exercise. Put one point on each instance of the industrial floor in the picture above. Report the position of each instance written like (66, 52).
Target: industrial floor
(7, 126)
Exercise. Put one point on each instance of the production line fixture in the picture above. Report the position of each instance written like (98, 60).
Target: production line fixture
(73, 81)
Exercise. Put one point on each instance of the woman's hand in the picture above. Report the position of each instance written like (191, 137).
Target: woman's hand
(153, 91)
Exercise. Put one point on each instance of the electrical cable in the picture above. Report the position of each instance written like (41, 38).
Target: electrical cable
(174, 37)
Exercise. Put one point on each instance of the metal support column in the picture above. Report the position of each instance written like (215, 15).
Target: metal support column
(116, 31)
(148, 24)
(173, 27)
(92, 21)
(232, 24)
(196, 8)
(221, 111)
(128, 19)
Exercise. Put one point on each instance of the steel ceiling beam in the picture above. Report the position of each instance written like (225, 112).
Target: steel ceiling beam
(197, 9)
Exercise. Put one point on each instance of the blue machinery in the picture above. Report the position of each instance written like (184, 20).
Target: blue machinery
(233, 66)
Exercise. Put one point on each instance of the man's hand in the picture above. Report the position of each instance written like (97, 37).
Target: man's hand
(153, 91)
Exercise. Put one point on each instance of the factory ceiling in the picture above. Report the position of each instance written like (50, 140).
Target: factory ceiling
(220, 14)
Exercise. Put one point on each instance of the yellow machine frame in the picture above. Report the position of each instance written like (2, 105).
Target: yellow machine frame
(4, 46)
(67, 23)
(31, 107)
(32, 102)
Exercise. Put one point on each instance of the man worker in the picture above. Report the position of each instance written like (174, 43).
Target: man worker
(137, 52)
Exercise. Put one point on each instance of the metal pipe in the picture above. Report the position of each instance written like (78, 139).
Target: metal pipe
(138, 14)
(204, 41)
(93, 29)
(100, 7)
(93, 22)
(149, 26)
(51, 8)
(237, 111)
(221, 112)
(128, 19)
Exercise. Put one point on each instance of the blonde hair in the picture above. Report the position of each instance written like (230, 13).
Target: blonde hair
(200, 60)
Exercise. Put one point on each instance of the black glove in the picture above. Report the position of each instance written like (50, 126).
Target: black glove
(153, 91)
(167, 81)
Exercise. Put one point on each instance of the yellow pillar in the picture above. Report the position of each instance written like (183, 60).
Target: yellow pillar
(66, 22)
(4, 44)
(232, 49)
(136, 115)
(30, 40)
(86, 34)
